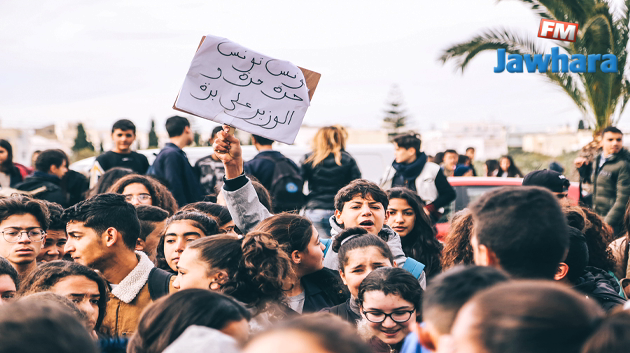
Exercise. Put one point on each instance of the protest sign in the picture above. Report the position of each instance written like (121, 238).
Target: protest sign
(230, 84)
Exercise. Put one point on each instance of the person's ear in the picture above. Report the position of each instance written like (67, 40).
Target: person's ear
(561, 272)
(343, 277)
(296, 257)
(217, 280)
(140, 244)
(425, 338)
(111, 236)
(486, 257)
(338, 217)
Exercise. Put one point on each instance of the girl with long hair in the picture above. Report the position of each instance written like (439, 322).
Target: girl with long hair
(327, 169)
(507, 168)
(406, 215)
(145, 190)
(9, 173)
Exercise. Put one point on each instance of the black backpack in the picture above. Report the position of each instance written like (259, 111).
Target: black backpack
(159, 282)
(286, 185)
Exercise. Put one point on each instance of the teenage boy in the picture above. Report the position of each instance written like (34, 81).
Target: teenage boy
(102, 234)
(521, 230)
(450, 162)
(411, 169)
(23, 225)
(262, 166)
(210, 170)
(121, 155)
(610, 175)
(445, 295)
(359, 204)
(56, 236)
(152, 222)
(172, 165)
(50, 167)
(470, 153)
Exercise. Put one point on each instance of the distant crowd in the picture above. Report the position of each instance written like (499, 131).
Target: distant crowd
(269, 255)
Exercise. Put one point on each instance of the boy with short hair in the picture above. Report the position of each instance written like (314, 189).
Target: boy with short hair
(521, 230)
(23, 225)
(55, 235)
(102, 234)
(152, 222)
(50, 168)
(121, 155)
(443, 298)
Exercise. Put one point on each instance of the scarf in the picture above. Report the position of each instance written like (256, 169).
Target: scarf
(406, 174)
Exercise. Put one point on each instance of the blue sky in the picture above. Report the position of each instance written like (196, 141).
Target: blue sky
(97, 61)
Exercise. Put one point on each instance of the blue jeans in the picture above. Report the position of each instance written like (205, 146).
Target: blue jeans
(320, 219)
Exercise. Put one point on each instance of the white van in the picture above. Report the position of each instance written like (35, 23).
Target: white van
(372, 159)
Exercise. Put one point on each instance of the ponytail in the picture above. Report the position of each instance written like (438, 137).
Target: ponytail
(358, 238)
(256, 266)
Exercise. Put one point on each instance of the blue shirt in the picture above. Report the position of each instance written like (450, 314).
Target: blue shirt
(411, 345)
(172, 166)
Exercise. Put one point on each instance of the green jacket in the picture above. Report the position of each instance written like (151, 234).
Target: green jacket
(611, 187)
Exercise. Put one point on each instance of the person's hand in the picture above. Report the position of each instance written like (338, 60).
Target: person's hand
(580, 161)
(227, 149)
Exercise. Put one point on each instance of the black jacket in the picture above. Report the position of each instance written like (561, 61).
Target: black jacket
(172, 165)
(323, 289)
(53, 192)
(327, 178)
(15, 175)
(344, 312)
(600, 286)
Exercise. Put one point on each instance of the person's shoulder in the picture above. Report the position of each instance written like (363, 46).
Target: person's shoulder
(105, 156)
(139, 156)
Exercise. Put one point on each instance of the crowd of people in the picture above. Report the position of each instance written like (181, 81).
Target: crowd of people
(235, 256)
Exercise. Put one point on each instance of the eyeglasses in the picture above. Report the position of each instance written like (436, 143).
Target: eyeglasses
(141, 197)
(14, 235)
(398, 317)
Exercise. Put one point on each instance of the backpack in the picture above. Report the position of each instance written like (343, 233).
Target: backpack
(286, 186)
(159, 283)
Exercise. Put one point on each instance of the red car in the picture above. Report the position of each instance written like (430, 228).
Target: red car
(469, 189)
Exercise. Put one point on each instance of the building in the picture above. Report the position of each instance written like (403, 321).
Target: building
(488, 139)
(557, 143)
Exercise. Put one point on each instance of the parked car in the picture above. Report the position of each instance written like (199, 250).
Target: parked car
(372, 159)
(468, 189)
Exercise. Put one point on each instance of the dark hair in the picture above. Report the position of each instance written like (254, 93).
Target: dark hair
(199, 220)
(393, 280)
(108, 179)
(360, 239)
(531, 316)
(513, 170)
(216, 130)
(148, 216)
(262, 140)
(598, 235)
(577, 258)
(451, 151)
(612, 335)
(20, 204)
(263, 194)
(176, 125)
(166, 319)
(293, 232)
(49, 297)
(104, 211)
(32, 327)
(449, 291)
(421, 243)
(326, 330)
(470, 149)
(457, 248)
(7, 269)
(363, 188)
(407, 141)
(220, 213)
(48, 158)
(54, 214)
(463, 159)
(7, 165)
(612, 129)
(538, 233)
(46, 275)
(439, 158)
(256, 266)
(124, 125)
(492, 165)
(160, 195)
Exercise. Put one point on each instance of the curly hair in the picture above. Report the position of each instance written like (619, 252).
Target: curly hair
(421, 243)
(457, 248)
(46, 275)
(598, 235)
(160, 195)
(256, 266)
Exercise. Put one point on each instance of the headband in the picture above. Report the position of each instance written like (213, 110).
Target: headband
(348, 238)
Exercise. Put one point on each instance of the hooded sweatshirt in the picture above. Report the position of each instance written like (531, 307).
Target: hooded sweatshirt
(600, 286)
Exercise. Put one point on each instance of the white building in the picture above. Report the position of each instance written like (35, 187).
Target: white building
(488, 139)
(557, 143)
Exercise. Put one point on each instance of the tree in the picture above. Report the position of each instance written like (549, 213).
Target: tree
(395, 115)
(601, 97)
(153, 138)
(81, 142)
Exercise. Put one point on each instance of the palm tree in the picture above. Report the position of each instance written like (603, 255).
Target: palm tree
(601, 97)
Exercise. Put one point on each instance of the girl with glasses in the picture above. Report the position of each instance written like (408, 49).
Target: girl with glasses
(145, 190)
(390, 300)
